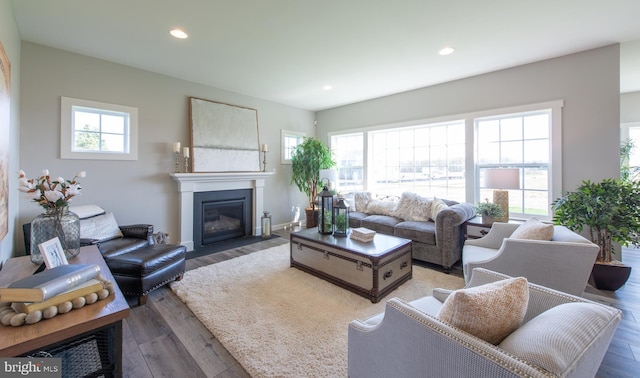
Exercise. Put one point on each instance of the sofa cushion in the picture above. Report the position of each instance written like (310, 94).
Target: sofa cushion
(355, 219)
(380, 207)
(491, 311)
(87, 211)
(533, 229)
(380, 223)
(554, 339)
(102, 227)
(423, 232)
(361, 200)
(412, 207)
(436, 206)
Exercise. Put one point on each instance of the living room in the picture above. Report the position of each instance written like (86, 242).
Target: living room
(141, 191)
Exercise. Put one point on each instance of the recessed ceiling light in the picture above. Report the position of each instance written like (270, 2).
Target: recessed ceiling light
(178, 33)
(327, 87)
(446, 51)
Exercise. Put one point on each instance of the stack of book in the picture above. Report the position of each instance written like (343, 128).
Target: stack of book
(362, 234)
(52, 287)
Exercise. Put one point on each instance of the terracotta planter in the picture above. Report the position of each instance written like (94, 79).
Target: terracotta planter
(609, 276)
(312, 217)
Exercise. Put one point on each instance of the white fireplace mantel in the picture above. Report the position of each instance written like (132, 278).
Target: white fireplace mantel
(189, 183)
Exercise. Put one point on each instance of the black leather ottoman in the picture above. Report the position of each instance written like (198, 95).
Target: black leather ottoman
(145, 269)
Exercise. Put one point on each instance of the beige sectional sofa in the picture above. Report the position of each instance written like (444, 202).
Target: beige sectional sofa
(434, 225)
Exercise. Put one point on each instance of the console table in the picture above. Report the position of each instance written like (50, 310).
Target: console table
(98, 326)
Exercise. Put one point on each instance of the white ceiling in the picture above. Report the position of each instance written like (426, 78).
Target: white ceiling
(286, 50)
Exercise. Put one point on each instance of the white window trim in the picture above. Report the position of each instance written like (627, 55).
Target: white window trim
(66, 130)
(284, 133)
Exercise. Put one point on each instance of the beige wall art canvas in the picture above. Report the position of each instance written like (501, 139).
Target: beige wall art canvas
(5, 79)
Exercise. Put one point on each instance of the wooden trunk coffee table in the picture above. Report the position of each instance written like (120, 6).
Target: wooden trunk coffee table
(372, 269)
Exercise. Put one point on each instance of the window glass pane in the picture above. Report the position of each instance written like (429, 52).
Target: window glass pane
(86, 141)
(86, 121)
(511, 152)
(536, 151)
(112, 143)
(536, 126)
(113, 124)
(348, 153)
(536, 178)
(511, 129)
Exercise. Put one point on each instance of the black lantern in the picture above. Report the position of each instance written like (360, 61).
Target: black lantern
(340, 218)
(325, 211)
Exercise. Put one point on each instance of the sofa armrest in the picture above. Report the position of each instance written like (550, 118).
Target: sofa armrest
(564, 266)
(449, 233)
(138, 231)
(410, 343)
(496, 235)
(85, 242)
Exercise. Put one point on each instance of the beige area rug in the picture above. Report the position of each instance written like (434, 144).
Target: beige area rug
(278, 321)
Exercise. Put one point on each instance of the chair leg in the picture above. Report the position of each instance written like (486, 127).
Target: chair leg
(142, 300)
(179, 278)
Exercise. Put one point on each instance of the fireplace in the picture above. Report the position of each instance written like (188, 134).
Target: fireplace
(190, 184)
(221, 215)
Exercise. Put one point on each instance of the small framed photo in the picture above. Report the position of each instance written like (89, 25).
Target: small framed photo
(52, 253)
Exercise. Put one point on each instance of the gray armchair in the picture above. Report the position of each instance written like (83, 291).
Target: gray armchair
(408, 340)
(563, 264)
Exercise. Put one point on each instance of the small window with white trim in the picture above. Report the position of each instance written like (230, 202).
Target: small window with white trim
(96, 130)
(290, 140)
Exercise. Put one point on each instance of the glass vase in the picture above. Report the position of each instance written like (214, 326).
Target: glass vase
(55, 222)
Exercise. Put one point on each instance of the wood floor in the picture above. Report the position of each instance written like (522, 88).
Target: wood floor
(164, 339)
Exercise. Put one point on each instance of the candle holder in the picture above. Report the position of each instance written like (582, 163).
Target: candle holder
(264, 161)
(186, 164)
(176, 161)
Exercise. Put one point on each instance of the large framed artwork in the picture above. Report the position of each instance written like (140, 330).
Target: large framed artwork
(224, 138)
(5, 108)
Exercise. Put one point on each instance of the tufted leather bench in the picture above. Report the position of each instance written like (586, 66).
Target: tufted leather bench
(145, 269)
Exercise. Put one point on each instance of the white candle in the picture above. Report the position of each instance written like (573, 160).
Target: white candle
(176, 147)
(185, 152)
(264, 148)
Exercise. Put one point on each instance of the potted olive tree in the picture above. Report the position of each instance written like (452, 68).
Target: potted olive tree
(610, 209)
(489, 211)
(307, 160)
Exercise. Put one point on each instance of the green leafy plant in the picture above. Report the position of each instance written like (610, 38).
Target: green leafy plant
(307, 160)
(628, 172)
(341, 222)
(489, 209)
(609, 208)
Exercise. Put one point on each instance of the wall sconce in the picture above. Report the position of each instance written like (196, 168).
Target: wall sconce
(501, 179)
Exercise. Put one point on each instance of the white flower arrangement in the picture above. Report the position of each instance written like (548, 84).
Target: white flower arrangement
(48, 193)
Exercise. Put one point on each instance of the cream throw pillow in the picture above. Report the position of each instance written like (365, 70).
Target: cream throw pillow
(491, 311)
(361, 200)
(436, 206)
(379, 207)
(103, 227)
(413, 207)
(533, 229)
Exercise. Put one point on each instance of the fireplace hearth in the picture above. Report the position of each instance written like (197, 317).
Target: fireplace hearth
(221, 215)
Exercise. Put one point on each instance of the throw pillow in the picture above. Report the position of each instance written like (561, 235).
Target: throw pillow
(413, 207)
(86, 211)
(380, 207)
(555, 338)
(350, 200)
(437, 205)
(102, 228)
(361, 201)
(491, 311)
(533, 229)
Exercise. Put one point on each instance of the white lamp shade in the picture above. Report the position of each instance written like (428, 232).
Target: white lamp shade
(331, 175)
(502, 178)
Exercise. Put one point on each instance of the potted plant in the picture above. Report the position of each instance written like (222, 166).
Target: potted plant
(307, 160)
(611, 211)
(489, 211)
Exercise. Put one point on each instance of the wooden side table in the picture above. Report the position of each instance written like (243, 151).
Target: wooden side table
(100, 323)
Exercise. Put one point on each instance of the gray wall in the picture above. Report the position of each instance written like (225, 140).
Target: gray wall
(135, 191)
(588, 82)
(11, 42)
(630, 107)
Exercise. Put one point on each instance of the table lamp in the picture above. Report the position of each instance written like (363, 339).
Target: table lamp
(501, 179)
